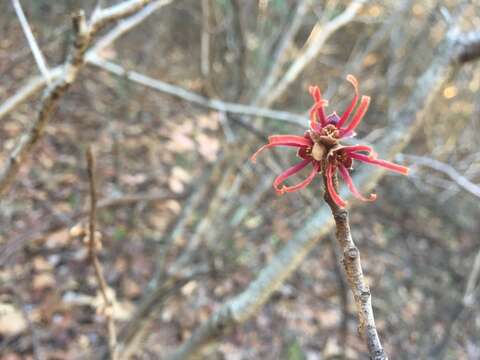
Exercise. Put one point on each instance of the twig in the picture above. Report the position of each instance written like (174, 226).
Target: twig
(448, 170)
(84, 33)
(205, 44)
(278, 57)
(353, 270)
(92, 251)
(47, 227)
(343, 290)
(244, 305)
(315, 45)
(192, 97)
(37, 53)
(162, 284)
(38, 82)
(239, 49)
(467, 301)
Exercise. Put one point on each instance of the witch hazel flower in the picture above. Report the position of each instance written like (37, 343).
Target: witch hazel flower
(321, 147)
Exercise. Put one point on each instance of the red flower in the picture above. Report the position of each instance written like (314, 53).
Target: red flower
(320, 146)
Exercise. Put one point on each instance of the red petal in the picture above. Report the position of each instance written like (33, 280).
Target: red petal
(365, 148)
(382, 163)
(315, 111)
(351, 186)
(331, 188)
(287, 173)
(302, 184)
(352, 80)
(318, 106)
(283, 140)
(289, 140)
(362, 109)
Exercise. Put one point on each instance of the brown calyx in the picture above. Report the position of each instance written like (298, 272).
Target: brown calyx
(324, 141)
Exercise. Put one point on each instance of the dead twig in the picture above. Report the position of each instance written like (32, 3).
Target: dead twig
(192, 97)
(314, 45)
(93, 244)
(446, 169)
(84, 33)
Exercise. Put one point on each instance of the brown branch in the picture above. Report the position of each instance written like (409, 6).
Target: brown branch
(17, 243)
(84, 32)
(354, 273)
(37, 83)
(278, 57)
(93, 244)
(318, 38)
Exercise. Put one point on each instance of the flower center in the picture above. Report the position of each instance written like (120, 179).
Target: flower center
(323, 141)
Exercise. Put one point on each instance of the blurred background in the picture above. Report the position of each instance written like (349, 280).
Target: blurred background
(180, 195)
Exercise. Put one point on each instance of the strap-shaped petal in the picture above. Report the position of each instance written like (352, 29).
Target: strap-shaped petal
(301, 185)
(283, 140)
(287, 173)
(352, 80)
(355, 148)
(351, 186)
(382, 163)
(318, 108)
(290, 140)
(331, 187)
(362, 109)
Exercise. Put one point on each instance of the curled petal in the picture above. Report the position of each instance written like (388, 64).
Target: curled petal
(317, 110)
(362, 109)
(283, 140)
(351, 186)
(300, 185)
(352, 80)
(318, 107)
(382, 163)
(287, 173)
(365, 148)
(331, 187)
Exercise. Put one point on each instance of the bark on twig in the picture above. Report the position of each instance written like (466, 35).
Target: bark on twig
(354, 273)
(93, 244)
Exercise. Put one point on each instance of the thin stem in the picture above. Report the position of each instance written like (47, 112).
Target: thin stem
(92, 251)
(354, 273)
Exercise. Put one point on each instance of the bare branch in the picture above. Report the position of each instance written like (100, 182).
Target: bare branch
(47, 227)
(448, 170)
(93, 244)
(192, 97)
(205, 39)
(37, 53)
(278, 57)
(313, 48)
(37, 83)
(83, 35)
(243, 306)
(353, 270)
